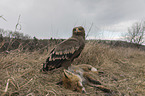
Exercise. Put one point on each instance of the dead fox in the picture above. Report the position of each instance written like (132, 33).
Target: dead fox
(76, 76)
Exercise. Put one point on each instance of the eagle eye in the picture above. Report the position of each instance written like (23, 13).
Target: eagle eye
(80, 29)
(74, 29)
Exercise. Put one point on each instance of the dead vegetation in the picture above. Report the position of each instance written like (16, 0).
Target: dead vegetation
(122, 71)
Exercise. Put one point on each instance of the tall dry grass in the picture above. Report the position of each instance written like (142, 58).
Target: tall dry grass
(123, 72)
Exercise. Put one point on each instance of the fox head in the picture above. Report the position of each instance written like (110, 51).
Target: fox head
(73, 81)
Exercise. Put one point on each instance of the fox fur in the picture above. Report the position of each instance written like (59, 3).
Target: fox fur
(78, 75)
(73, 81)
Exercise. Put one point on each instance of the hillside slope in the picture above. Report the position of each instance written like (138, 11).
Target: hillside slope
(123, 71)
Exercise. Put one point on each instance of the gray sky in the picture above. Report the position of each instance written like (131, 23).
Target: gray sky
(56, 18)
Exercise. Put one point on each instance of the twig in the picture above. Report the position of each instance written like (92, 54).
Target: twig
(13, 84)
(27, 82)
(9, 65)
(3, 17)
(27, 71)
(7, 73)
(16, 83)
(54, 90)
(18, 24)
(2, 44)
(89, 30)
(7, 85)
(10, 44)
(49, 92)
(30, 94)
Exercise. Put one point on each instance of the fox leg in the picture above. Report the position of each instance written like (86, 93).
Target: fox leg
(80, 87)
(90, 78)
(104, 89)
(92, 81)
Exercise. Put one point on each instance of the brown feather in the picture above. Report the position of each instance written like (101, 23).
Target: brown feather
(67, 50)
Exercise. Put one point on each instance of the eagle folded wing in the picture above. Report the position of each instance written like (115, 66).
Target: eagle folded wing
(67, 50)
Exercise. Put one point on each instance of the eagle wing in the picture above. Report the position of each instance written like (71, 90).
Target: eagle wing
(67, 50)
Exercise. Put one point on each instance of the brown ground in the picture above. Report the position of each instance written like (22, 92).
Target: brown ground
(123, 71)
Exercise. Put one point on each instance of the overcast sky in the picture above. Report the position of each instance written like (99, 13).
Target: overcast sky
(56, 18)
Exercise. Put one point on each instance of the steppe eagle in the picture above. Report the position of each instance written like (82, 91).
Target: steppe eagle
(65, 52)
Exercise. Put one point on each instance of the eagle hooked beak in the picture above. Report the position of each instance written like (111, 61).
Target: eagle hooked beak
(76, 29)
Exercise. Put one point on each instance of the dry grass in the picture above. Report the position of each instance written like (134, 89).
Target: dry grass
(123, 70)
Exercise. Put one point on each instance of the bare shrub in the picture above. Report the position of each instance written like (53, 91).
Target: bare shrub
(136, 33)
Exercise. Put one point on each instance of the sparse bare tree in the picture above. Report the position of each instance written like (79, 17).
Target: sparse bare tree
(136, 33)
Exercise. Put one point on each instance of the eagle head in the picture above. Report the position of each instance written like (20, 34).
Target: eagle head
(79, 31)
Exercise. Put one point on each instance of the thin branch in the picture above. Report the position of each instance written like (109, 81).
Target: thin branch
(3, 17)
(89, 30)
(18, 24)
(49, 91)
(30, 94)
(26, 83)
(7, 85)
